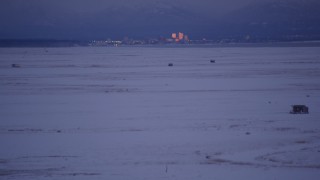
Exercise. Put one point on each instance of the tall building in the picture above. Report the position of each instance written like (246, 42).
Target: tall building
(186, 38)
(180, 36)
(174, 35)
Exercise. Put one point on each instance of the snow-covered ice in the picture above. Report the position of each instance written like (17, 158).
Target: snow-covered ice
(124, 114)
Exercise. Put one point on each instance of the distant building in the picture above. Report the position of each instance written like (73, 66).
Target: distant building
(181, 36)
(174, 35)
(186, 38)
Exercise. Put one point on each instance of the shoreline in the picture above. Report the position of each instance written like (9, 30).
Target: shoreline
(74, 43)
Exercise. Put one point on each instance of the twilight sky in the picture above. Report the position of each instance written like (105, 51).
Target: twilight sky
(88, 19)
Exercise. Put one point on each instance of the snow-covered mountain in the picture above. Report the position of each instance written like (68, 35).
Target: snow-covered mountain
(116, 20)
(275, 19)
(154, 19)
(137, 19)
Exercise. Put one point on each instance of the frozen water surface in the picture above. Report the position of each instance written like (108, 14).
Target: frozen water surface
(123, 113)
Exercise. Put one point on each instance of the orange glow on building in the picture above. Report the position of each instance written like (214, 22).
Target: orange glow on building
(180, 36)
(174, 35)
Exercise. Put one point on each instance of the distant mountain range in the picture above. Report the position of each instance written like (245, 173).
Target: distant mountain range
(273, 20)
(268, 20)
